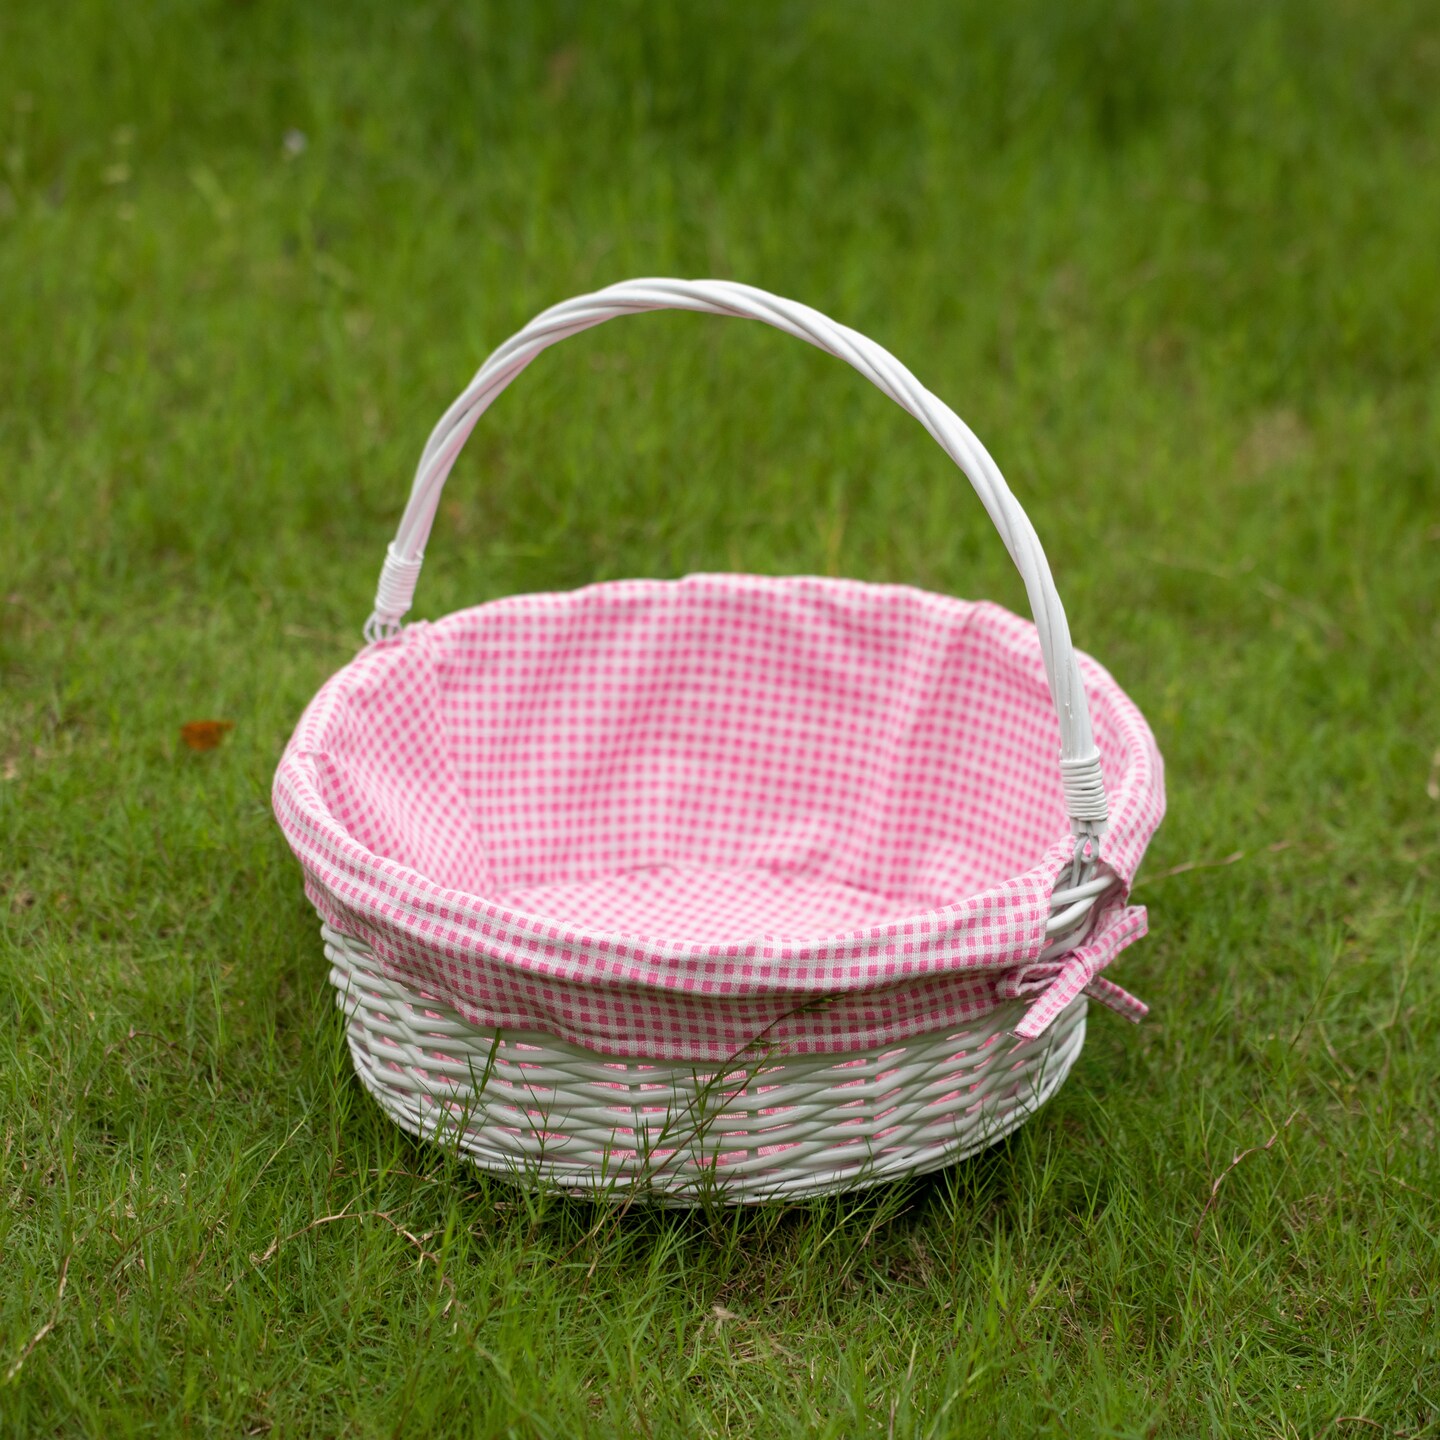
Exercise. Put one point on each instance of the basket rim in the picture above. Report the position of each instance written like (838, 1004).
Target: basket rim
(1035, 883)
(629, 994)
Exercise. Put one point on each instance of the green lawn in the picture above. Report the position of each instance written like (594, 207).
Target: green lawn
(1179, 265)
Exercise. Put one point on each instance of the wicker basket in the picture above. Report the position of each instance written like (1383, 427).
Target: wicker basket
(727, 887)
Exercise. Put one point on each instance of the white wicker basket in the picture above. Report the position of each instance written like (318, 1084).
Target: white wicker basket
(786, 1112)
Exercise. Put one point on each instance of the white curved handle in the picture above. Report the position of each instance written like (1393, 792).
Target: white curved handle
(1079, 760)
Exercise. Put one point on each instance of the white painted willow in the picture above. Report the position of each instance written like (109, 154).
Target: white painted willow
(766, 1125)
(550, 1115)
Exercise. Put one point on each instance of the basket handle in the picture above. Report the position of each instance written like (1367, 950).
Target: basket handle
(1079, 760)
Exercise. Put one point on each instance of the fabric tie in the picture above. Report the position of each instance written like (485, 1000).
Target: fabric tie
(1055, 983)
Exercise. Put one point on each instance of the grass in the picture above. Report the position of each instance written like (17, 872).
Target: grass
(1178, 266)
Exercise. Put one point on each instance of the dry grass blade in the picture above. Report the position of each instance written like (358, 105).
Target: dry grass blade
(47, 1327)
(134, 1034)
(1232, 859)
(347, 1214)
(1405, 1185)
(1239, 1156)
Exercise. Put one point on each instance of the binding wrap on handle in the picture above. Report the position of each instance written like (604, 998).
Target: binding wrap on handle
(1080, 773)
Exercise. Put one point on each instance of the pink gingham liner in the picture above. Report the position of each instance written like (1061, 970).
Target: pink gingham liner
(351, 774)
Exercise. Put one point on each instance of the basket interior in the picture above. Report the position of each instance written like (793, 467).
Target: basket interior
(711, 759)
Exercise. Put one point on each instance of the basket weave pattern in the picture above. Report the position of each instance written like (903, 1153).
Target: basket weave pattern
(761, 1127)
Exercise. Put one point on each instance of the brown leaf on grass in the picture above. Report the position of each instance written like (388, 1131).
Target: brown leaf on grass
(205, 734)
(560, 70)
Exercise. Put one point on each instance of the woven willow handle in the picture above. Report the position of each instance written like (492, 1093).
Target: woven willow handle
(1079, 760)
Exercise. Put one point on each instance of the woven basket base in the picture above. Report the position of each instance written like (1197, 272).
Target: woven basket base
(551, 1115)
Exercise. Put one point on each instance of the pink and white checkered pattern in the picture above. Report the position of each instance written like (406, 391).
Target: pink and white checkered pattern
(670, 818)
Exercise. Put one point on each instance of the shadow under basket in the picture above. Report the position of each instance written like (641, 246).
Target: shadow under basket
(729, 888)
